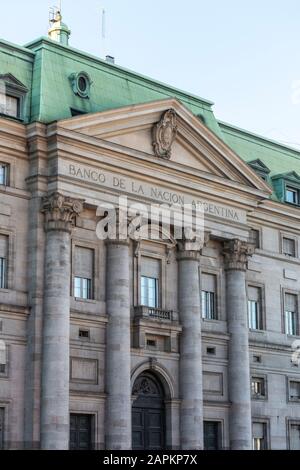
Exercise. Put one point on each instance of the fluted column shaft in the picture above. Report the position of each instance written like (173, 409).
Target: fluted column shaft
(190, 375)
(118, 387)
(240, 422)
(60, 212)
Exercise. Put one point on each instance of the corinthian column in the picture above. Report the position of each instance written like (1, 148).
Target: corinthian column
(236, 255)
(190, 375)
(118, 359)
(60, 212)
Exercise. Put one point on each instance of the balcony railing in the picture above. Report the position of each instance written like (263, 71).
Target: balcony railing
(155, 313)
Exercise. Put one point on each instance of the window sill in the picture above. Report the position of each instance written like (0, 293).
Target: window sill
(13, 118)
(251, 330)
(86, 301)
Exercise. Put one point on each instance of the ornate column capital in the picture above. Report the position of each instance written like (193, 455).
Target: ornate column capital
(118, 227)
(60, 211)
(191, 250)
(237, 253)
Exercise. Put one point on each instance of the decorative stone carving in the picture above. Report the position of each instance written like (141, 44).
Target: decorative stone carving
(164, 134)
(144, 386)
(191, 249)
(60, 211)
(237, 253)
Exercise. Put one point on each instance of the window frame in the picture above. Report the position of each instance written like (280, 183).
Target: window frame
(156, 289)
(97, 288)
(6, 180)
(266, 423)
(144, 250)
(265, 385)
(292, 189)
(289, 423)
(288, 236)
(263, 320)
(17, 90)
(283, 316)
(289, 381)
(220, 313)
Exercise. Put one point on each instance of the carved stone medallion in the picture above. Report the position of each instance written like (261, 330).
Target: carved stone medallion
(164, 134)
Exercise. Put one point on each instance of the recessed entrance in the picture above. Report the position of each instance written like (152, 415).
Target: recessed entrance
(148, 413)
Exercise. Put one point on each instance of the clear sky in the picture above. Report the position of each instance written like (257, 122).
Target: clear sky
(244, 56)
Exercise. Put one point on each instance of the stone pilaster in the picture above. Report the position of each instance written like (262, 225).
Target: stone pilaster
(190, 375)
(236, 254)
(118, 358)
(60, 212)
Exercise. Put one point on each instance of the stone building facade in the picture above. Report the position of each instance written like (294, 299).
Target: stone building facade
(147, 344)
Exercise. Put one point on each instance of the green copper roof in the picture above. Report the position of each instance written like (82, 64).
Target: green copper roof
(45, 67)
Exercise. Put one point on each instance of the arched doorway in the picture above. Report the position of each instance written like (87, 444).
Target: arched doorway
(148, 413)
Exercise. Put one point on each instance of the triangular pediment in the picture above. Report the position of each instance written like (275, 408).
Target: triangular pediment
(12, 81)
(193, 145)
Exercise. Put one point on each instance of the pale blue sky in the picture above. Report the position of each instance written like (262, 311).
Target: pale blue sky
(244, 56)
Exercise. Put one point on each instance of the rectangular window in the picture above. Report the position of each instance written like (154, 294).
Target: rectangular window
(149, 292)
(3, 261)
(259, 438)
(83, 273)
(212, 435)
(2, 428)
(4, 174)
(294, 434)
(255, 238)
(291, 314)
(10, 105)
(289, 247)
(208, 296)
(255, 308)
(258, 387)
(292, 195)
(294, 390)
(150, 282)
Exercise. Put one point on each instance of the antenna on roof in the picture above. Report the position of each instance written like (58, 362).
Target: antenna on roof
(103, 31)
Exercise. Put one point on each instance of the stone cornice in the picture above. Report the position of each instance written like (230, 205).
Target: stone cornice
(60, 211)
(237, 253)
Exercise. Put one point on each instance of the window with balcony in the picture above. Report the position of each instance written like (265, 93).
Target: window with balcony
(150, 282)
(83, 273)
(291, 314)
(208, 296)
(255, 316)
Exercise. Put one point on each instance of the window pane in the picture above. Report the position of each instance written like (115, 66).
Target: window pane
(149, 292)
(295, 437)
(2, 273)
(259, 436)
(208, 305)
(12, 105)
(290, 323)
(254, 315)
(3, 174)
(295, 390)
(289, 247)
(291, 196)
